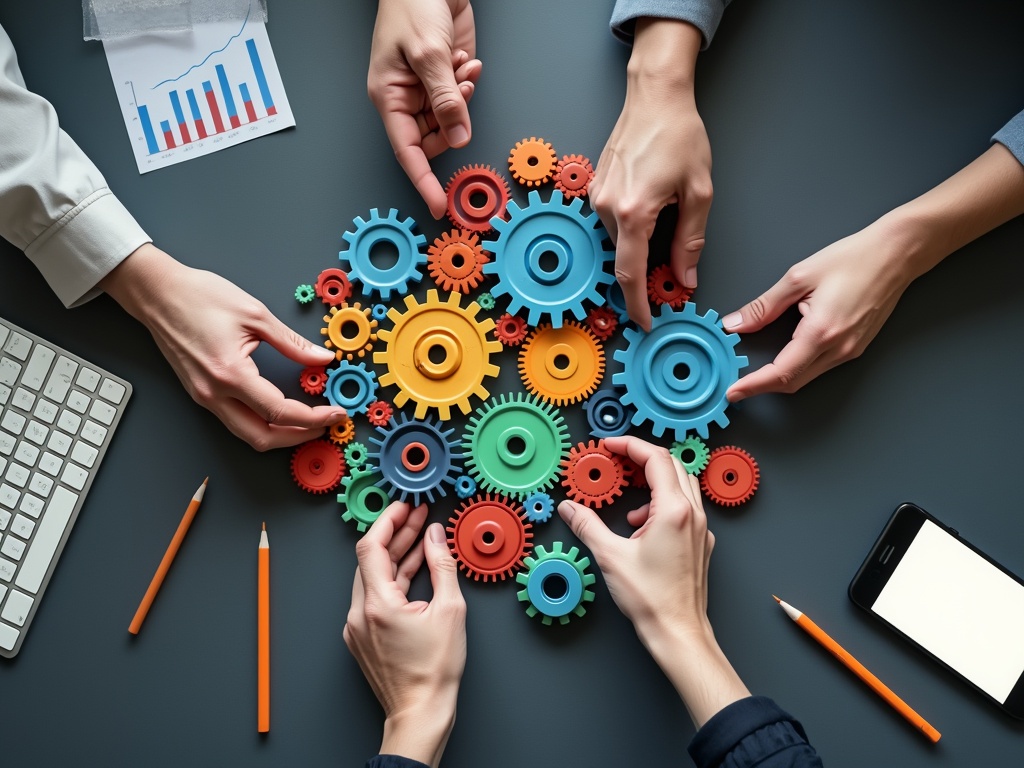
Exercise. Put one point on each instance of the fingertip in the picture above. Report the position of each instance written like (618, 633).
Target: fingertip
(436, 534)
(733, 321)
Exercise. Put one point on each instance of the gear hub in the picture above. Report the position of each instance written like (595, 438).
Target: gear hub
(333, 287)
(561, 365)
(538, 507)
(378, 413)
(415, 458)
(594, 476)
(355, 455)
(532, 161)
(351, 386)
(573, 175)
(663, 288)
(731, 476)
(606, 414)
(317, 466)
(476, 194)
(350, 332)
(313, 380)
(362, 498)
(489, 538)
(342, 432)
(383, 234)
(556, 584)
(510, 330)
(691, 453)
(602, 322)
(456, 261)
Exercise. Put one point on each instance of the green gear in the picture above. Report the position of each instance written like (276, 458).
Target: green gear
(355, 455)
(564, 566)
(305, 293)
(486, 301)
(515, 445)
(358, 487)
(693, 447)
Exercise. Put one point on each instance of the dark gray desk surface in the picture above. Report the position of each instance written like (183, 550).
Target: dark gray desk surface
(821, 117)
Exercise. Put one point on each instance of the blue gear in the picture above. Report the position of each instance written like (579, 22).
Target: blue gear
(379, 312)
(555, 583)
(676, 375)
(465, 486)
(538, 507)
(615, 299)
(411, 470)
(575, 239)
(400, 234)
(606, 414)
(366, 386)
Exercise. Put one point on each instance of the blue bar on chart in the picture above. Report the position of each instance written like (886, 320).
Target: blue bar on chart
(197, 116)
(261, 78)
(165, 126)
(229, 100)
(179, 116)
(147, 129)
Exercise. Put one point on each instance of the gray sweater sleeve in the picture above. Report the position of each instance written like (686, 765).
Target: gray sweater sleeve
(1011, 136)
(703, 14)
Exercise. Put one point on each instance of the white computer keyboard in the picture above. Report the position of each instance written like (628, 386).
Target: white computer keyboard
(58, 413)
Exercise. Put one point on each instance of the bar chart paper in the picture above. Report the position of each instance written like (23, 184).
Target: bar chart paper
(187, 94)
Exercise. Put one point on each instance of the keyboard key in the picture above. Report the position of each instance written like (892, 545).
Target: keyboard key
(47, 537)
(7, 569)
(23, 527)
(59, 442)
(94, 433)
(51, 464)
(38, 366)
(69, 422)
(88, 379)
(23, 399)
(8, 498)
(74, 476)
(17, 474)
(112, 391)
(18, 346)
(5, 516)
(12, 547)
(17, 608)
(102, 412)
(59, 383)
(46, 411)
(27, 454)
(3, 592)
(4, 333)
(13, 422)
(78, 401)
(31, 505)
(37, 432)
(7, 443)
(10, 370)
(5, 393)
(41, 484)
(8, 637)
(83, 454)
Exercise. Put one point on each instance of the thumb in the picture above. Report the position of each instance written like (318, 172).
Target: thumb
(292, 345)
(444, 575)
(434, 70)
(588, 527)
(765, 308)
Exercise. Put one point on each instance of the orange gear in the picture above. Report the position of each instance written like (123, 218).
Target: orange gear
(350, 331)
(573, 175)
(561, 365)
(510, 330)
(731, 476)
(593, 475)
(317, 466)
(489, 538)
(456, 261)
(663, 288)
(313, 380)
(333, 287)
(476, 194)
(602, 322)
(532, 161)
(342, 432)
(379, 413)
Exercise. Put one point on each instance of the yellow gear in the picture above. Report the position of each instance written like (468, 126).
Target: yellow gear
(350, 331)
(532, 161)
(561, 365)
(342, 432)
(437, 354)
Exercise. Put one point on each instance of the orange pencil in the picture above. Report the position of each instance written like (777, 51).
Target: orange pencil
(859, 670)
(165, 564)
(263, 641)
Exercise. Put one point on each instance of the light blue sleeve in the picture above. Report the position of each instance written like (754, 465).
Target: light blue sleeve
(1011, 136)
(703, 14)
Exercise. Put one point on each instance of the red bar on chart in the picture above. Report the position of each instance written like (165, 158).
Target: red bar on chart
(165, 126)
(235, 122)
(211, 102)
(250, 111)
(200, 128)
(197, 116)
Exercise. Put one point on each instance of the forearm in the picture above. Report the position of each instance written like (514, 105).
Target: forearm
(664, 53)
(419, 735)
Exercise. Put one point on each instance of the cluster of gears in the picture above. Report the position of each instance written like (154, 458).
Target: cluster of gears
(549, 264)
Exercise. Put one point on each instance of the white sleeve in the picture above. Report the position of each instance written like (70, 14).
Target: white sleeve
(54, 203)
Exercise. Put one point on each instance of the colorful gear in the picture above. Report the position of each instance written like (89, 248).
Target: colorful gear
(363, 240)
(663, 288)
(342, 432)
(691, 453)
(349, 331)
(486, 301)
(731, 476)
(555, 584)
(532, 161)
(677, 374)
(489, 538)
(515, 444)
(355, 455)
(415, 458)
(561, 365)
(305, 293)
(510, 330)
(379, 413)
(465, 486)
(615, 300)
(633, 471)
(343, 378)
(456, 261)
(313, 380)
(573, 175)
(602, 322)
(362, 498)
(418, 335)
(550, 258)
(606, 414)
(379, 311)
(594, 476)
(538, 507)
(333, 287)
(476, 194)
(317, 466)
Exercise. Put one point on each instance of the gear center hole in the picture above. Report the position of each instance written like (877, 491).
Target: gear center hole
(487, 537)
(548, 261)
(729, 477)
(555, 587)
(374, 503)
(437, 354)
(350, 329)
(458, 260)
(561, 362)
(608, 415)
(384, 255)
(594, 474)
(350, 389)
(668, 286)
(532, 160)
(478, 200)
(681, 371)
(688, 455)
(516, 446)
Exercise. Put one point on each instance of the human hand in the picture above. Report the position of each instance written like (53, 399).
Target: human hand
(658, 154)
(207, 328)
(412, 653)
(423, 72)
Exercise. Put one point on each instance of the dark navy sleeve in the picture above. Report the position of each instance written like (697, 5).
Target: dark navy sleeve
(753, 732)
(394, 761)
(1011, 136)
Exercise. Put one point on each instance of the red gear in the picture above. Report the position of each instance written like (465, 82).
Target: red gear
(602, 322)
(313, 380)
(476, 194)
(573, 175)
(731, 476)
(456, 261)
(489, 538)
(333, 287)
(317, 466)
(379, 413)
(663, 288)
(510, 330)
(634, 473)
(593, 475)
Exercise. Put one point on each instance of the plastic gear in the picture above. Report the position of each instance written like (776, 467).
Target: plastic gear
(364, 380)
(379, 413)
(355, 455)
(532, 161)
(410, 347)
(573, 175)
(538, 507)
(456, 261)
(664, 288)
(556, 584)
(635, 474)
(313, 380)
(476, 194)
(305, 293)
(676, 375)
(593, 475)
(379, 312)
(489, 538)
(561, 365)
(602, 322)
(350, 331)
(333, 287)
(486, 301)
(606, 414)
(691, 453)
(362, 498)
(465, 486)
(515, 444)
(368, 234)
(549, 257)
(317, 466)
(342, 432)
(415, 458)
(510, 330)
(731, 476)
(615, 299)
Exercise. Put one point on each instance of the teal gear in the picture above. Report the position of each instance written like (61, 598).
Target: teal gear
(355, 455)
(465, 486)
(379, 312)
(365, 390)
(692, 454)
(362, 498)
(388, 229)
(305, 293)
(538, 507)
(555, 584)
(486, 301)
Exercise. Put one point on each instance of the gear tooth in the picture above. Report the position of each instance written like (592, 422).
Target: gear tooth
(576, 204)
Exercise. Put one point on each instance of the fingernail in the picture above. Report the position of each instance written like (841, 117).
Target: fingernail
(436, 533)
(690, 277)
(732, 321)
(735, 397)
(567, 511)
(458, 135)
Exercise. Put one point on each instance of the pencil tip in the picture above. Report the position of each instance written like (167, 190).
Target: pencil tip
(777, 600)
(264, 526)
(206, 480)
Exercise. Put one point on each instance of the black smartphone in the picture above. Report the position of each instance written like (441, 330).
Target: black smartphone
(951, 600)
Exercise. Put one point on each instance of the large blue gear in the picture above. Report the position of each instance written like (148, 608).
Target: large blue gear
(521, 250)
(606, 414)
(676, 376)
(365, 381)
(414, 458)
(389, 229)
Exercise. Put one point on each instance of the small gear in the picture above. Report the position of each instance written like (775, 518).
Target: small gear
(305, 293)
(355, 455)
(465, 486)
(438, 354)
(486, 301)
(456, 261)
(606, 414)
(349, 331)
(731, 476)
(415, 458)
(489, 538)
(573, 175)
(593, 475)
(602, 322)
(313, 380)
(342, 432)
(333, 287)
(362, 498)
(317, 466)
(663, 288)
(556, 584)
(615, 300)
(367, 237)
(538, 507)
(515, 445)
(677, 374)
(561, 365)
(532, 161)
(476, 194)
(351, 386)
(691, 453)
(549, 258)
(636, 476)
(379, 413)
(510, 330)
(379, 312)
